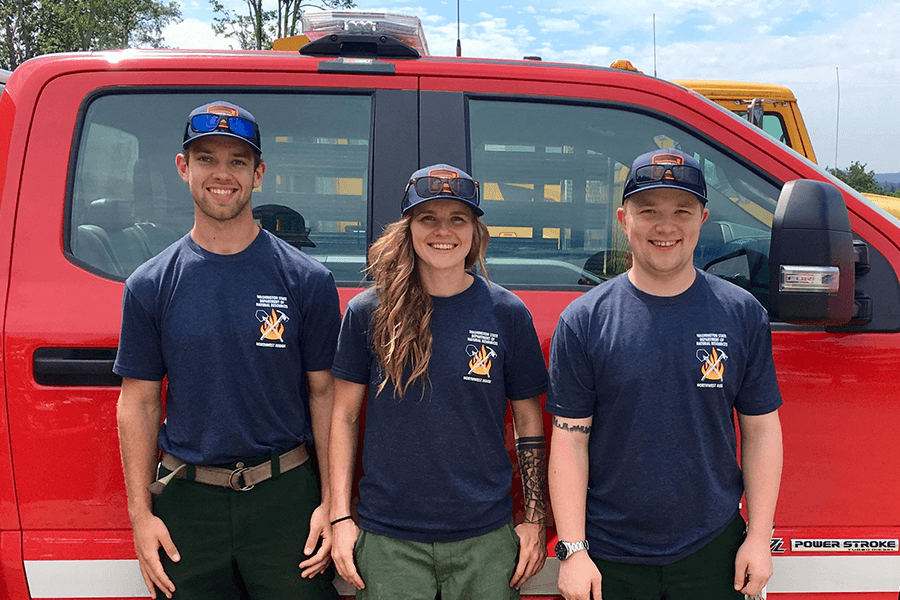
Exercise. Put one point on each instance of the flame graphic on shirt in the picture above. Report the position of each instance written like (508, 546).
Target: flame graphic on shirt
(713, 368)
(481, 362)
(272, 327)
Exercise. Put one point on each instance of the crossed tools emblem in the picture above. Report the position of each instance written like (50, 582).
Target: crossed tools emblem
(271, 327)
(479, 357)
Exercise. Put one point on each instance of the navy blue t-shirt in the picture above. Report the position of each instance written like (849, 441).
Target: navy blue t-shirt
(435, 463)
(236, 335)
(661, 377)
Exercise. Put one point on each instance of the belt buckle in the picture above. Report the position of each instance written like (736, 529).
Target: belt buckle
(233, 477)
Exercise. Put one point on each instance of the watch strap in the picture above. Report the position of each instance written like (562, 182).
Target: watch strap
(573, 547)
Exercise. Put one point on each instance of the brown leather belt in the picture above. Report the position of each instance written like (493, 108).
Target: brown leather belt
(241, 479)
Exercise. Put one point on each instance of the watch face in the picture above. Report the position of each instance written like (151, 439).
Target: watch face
(561, 551)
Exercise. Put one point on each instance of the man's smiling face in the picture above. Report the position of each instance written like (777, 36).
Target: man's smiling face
(663, 226)
(221, 175)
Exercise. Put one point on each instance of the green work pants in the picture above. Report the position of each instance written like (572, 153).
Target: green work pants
(242, 545)
(478, 568)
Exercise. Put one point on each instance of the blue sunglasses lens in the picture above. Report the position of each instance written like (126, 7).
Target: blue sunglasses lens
(241, 126)
(205, 123)
(209, 122)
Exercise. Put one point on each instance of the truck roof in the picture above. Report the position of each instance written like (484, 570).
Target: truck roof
(169, 60)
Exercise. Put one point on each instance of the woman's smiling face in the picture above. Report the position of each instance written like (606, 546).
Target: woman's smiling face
(442, 232)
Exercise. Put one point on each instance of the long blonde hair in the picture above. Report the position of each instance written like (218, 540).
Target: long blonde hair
(401, 324)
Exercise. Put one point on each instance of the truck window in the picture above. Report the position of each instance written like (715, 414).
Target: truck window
(773, 124)
(552, 177)
(127, 202)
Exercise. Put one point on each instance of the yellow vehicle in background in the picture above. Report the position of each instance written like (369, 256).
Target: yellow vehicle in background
(772, 108)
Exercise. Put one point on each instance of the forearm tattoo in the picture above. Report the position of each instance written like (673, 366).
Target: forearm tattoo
(532, 455)
(586, 429)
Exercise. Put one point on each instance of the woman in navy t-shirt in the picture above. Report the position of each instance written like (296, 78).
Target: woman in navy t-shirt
(443, 353)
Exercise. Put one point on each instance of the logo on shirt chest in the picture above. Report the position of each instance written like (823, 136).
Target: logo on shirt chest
(271, 320)
(272, 327)
(481, 354)
(712, 356)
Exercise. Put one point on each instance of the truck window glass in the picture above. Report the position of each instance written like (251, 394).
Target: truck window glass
(552, 177)
(773, 124)
(128, 202)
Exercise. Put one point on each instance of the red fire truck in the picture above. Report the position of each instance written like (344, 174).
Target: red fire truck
(89, 192)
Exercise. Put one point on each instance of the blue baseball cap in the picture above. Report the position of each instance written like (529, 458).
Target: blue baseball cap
(222, 118)
(666, 168)
(430, 183)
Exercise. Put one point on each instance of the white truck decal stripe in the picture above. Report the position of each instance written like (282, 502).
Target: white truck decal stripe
(793, 574)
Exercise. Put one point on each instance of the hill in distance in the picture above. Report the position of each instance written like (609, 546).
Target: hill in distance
(889, 178)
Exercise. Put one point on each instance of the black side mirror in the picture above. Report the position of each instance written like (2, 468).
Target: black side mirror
(811, 259)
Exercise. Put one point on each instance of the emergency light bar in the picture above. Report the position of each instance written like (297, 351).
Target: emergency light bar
(406, 28)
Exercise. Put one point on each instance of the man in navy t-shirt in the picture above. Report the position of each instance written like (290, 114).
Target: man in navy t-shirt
(243, 327)
(646, 371)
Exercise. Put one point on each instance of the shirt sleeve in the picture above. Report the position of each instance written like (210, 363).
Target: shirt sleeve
(526, 372)
(140, 345)
(759, 393)
(320, 326)
(572, 388)
(352, 361)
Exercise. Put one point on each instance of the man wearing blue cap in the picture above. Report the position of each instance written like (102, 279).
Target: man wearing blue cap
(646, 372)
(243, 327)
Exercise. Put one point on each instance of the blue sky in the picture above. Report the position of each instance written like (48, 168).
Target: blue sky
(799, 44)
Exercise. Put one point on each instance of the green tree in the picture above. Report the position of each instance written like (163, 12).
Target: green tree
(18, 18)
(32, 27)
(859, 179)
(258, 28)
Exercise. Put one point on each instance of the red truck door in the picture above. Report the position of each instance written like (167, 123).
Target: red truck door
(98, 195)
(551, 155)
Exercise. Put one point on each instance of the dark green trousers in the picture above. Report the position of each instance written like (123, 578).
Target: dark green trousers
(707, 574)
(242, 545)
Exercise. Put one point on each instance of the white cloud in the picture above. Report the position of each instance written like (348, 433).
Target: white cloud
(558, 25)
(594, 55)
(492, 38)
(196, 34)
(192, 5)
(432, 19)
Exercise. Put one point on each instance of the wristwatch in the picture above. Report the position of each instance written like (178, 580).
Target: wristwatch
(566, 549)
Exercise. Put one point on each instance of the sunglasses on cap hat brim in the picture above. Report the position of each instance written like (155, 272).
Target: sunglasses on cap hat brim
(207, 123)
(673, 172)
(431, 187)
